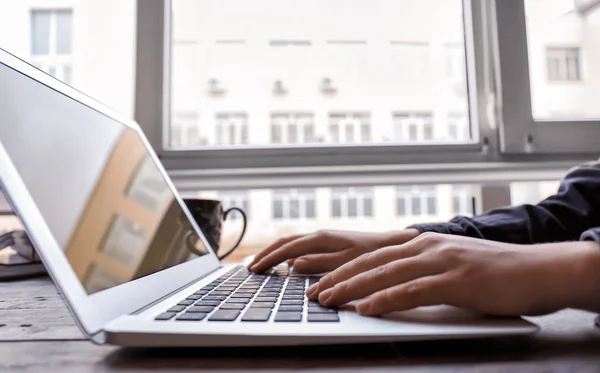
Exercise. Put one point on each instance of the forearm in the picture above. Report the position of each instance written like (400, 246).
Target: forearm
(569, 273)
(562, 217)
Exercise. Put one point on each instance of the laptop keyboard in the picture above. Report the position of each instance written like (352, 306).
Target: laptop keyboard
(278, 296)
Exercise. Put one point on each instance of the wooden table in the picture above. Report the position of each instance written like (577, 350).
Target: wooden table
(38, 334)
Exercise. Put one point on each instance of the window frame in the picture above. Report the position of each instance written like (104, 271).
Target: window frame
(520, 132)
(496, 153)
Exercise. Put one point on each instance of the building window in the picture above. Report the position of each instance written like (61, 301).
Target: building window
(349, 127)
(186, 130)
(235, 199)
(462, 201)
(292, 128)
(457, 127)
(52, 43)
(413, 127)
(294, 204)
(563, 64)
(416, 201)
(352, 202)
(232, 128)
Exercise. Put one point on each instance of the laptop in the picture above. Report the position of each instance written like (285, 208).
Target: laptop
(133, 266)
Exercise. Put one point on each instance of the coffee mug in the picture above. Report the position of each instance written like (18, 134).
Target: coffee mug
(209, 214)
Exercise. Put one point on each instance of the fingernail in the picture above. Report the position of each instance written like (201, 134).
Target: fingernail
(363, 307)
(325, 296)
(312, 289)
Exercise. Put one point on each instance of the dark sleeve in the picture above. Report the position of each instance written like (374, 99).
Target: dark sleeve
(572, 214)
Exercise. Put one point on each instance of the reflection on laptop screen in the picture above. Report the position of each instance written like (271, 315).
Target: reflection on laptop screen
(95, 184)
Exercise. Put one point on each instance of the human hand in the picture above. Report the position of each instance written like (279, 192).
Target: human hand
(325, 251)
(490, 277)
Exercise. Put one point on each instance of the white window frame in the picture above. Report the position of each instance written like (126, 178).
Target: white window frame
(232, 198)
(520, 132)
(301, 119)
(565, 71)
(464, 195)
(420, 192)
(53, 60)
(361, 195)
(499, 113)
(286, 196)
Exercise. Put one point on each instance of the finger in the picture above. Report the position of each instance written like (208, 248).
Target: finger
(364, 263)
(391, 274)
(274, 246)
(290, 262)
(424, 291)
(311, 244)
(320, 263)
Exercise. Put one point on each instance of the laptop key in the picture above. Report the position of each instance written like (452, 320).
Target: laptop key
(225, 315)
(257, 314)
(293, 297)
(262, 305)
(200, 309)
(292, 302)
(239, 300)
(213, 303)
(323, 317)
(165, 316)
(284, 308)
(215, 293)
(268, 294)
(288, 317)
(185, 303)
(293, 292)
(176, 309)
(219, 298)
(194, 297)
(201, 292)
(191, 317)
(266, 299)
(232, 306)
(319, 309)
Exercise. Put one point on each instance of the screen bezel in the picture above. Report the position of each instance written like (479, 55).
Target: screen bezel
(92, 311)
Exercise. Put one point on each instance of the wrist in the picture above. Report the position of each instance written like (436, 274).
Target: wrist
(586, 268)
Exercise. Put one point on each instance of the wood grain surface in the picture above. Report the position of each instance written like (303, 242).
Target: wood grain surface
(37, 334)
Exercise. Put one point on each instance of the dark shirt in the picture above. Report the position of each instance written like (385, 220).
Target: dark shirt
(571, 214)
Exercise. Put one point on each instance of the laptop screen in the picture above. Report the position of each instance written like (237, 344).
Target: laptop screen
(96, 185)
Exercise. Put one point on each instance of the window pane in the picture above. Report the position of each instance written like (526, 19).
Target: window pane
(431, 206)
(336, 208)
(102, 62)
(294, 209)
(64, 32)
(278, 209)
(412, 59)
(416, 206)
(310, 208)
(368, 207)
(352, 208)
(564, 50)
(40, 32)
(400, 207)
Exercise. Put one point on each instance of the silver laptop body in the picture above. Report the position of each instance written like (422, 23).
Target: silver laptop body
(128, 258)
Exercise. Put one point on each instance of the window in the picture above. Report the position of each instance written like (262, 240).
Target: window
(346, 127)
(413, 127)
(462, 200)
(352, 203)
(52, 42)
(294, 204)
(90, 45)
(399, 67)
(563, 64)
(235, 199)
(292, 128)
(416, 201)
(186, 130)
(232, 128)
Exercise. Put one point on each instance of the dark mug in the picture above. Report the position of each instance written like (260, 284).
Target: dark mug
(209, 214)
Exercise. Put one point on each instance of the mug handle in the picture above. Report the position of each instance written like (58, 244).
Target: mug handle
(221, 257)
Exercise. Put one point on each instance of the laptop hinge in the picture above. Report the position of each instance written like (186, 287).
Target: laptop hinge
(175, 291)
